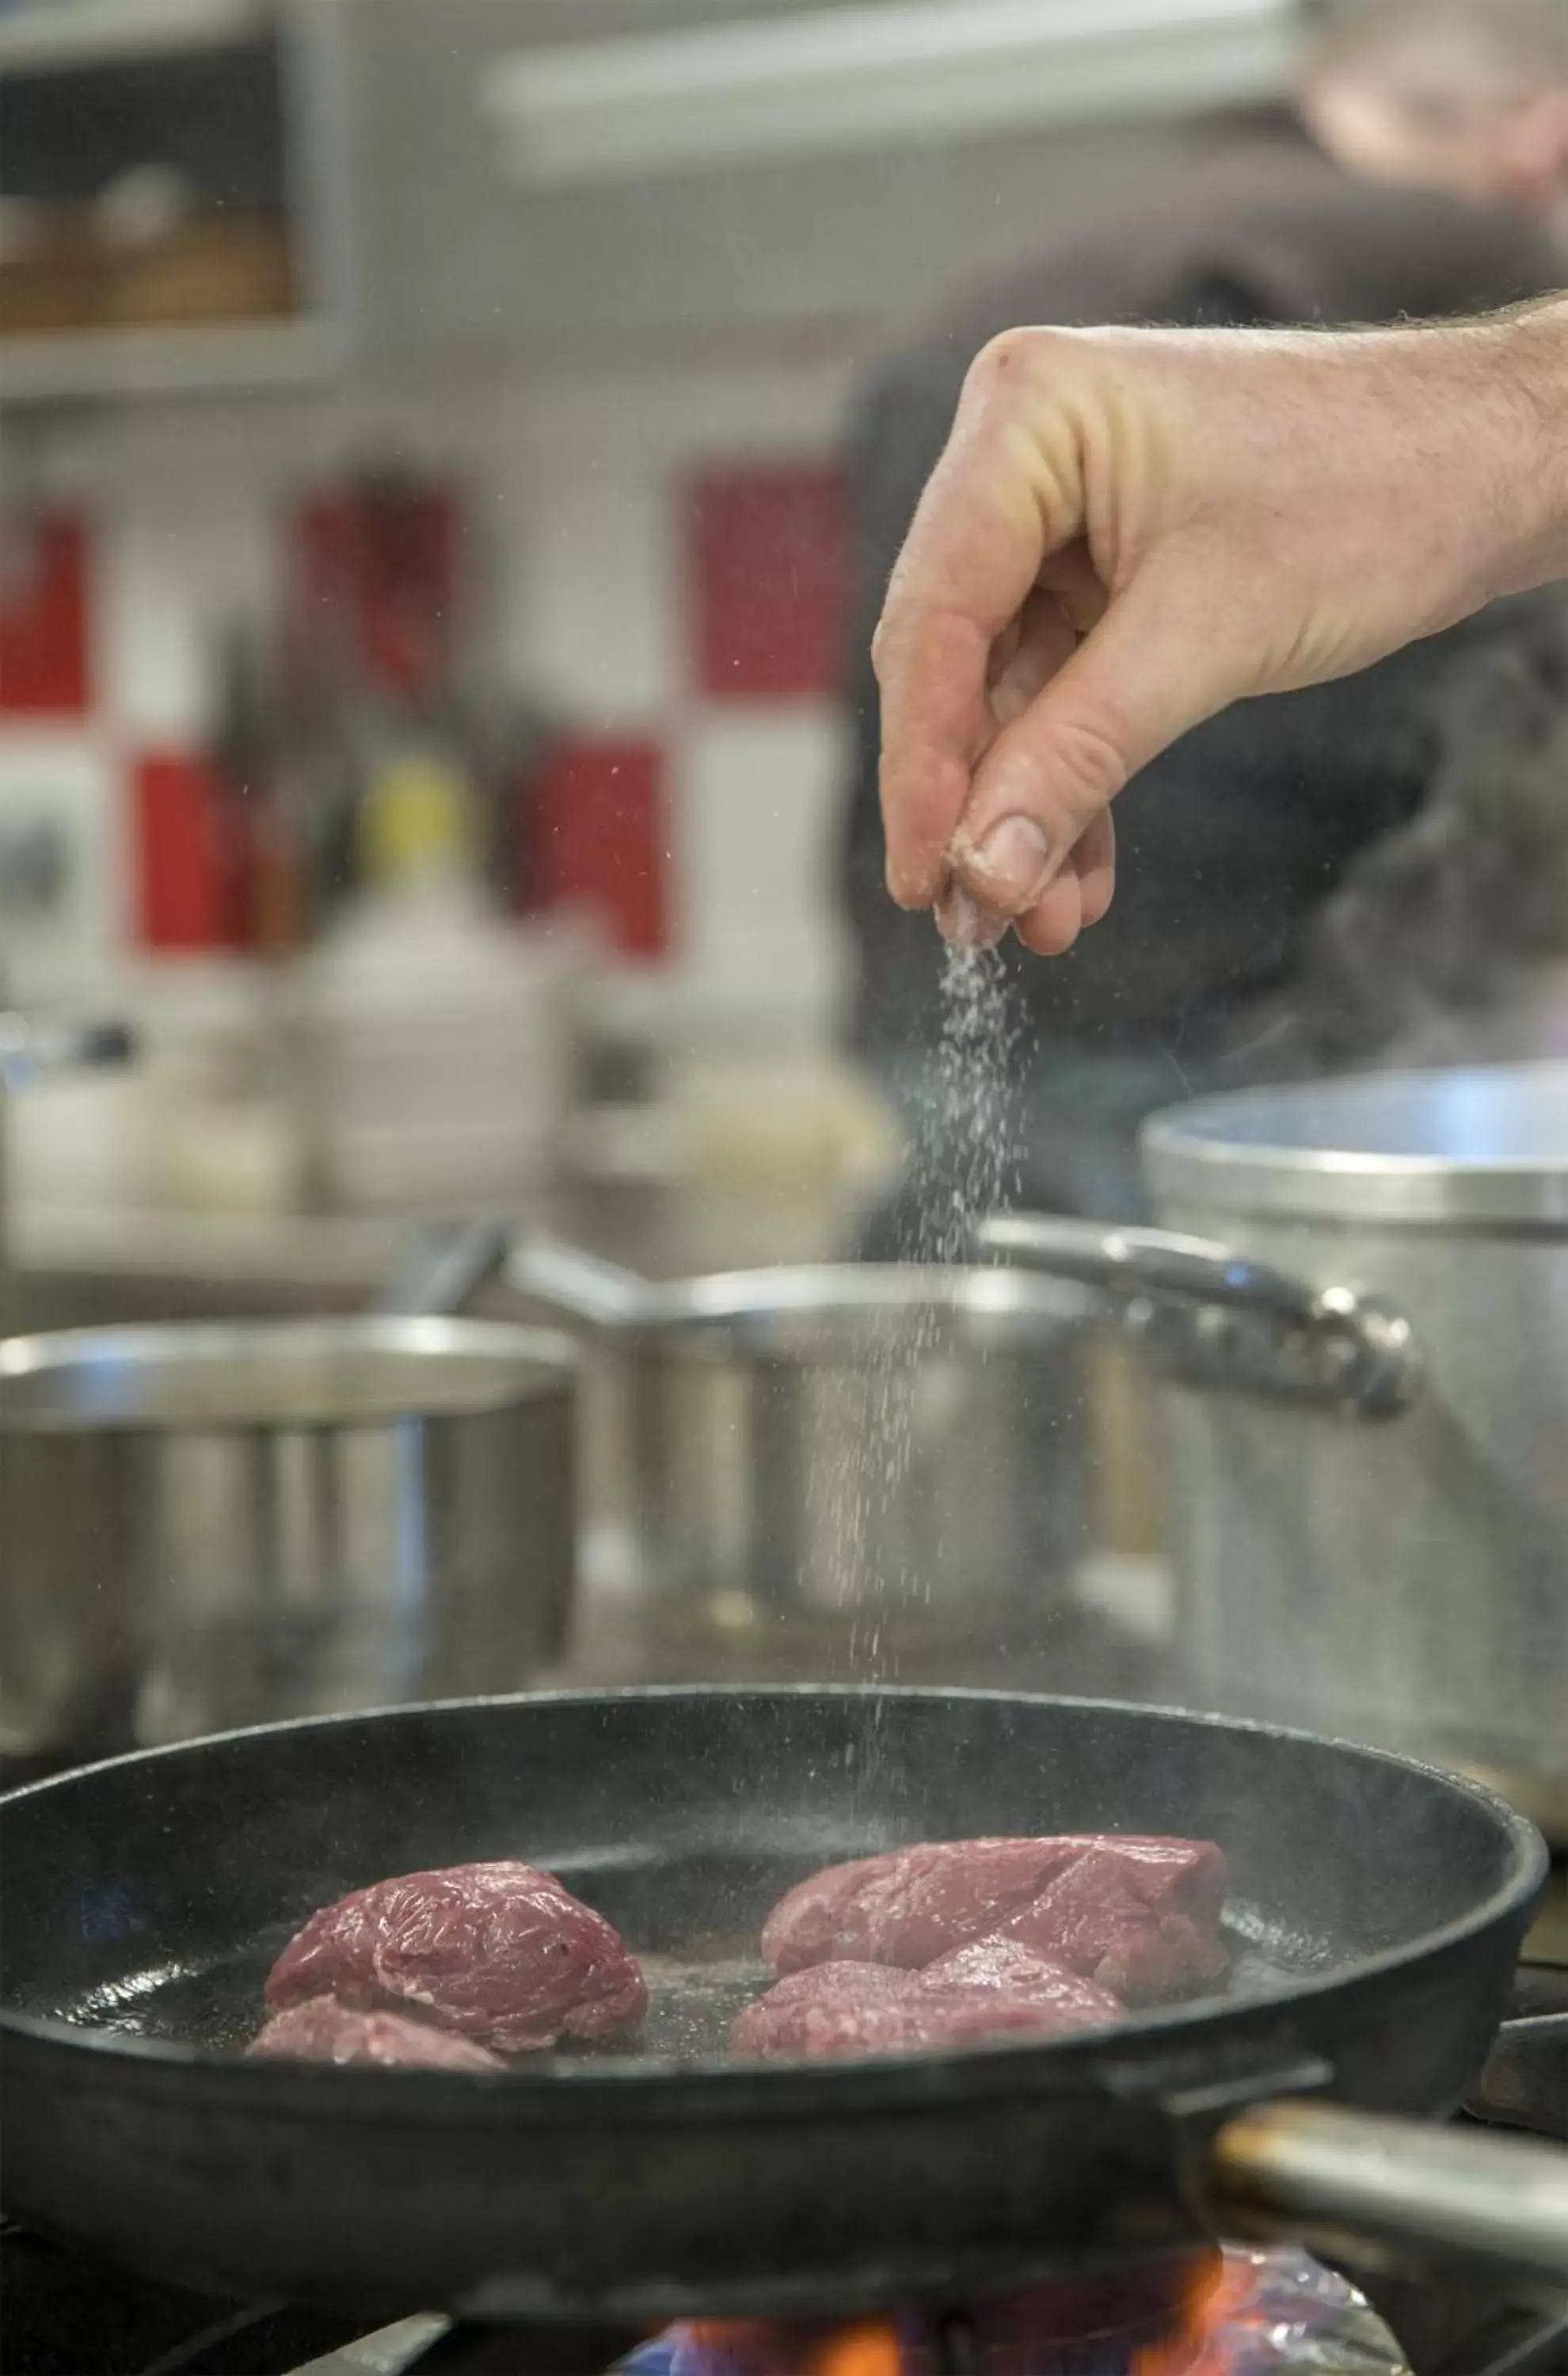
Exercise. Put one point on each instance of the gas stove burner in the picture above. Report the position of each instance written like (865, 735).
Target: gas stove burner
(1138, 2320)
(1241, 2314)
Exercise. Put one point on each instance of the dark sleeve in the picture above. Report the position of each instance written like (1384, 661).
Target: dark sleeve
(1361, 253)
(1474, 259)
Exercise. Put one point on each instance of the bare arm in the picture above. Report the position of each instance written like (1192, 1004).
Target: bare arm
(1130, 529)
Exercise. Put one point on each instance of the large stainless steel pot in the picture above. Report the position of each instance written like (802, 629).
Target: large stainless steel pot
(1367, 1336)
(213, 1524)
(846, 1465)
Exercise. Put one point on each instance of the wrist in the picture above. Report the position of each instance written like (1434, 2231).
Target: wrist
(1512, 401)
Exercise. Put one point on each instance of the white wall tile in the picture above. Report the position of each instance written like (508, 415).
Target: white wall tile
(587, 523)
(667, 413)
(757, 802)
(185, 554)
(583, 565)
(69, 783)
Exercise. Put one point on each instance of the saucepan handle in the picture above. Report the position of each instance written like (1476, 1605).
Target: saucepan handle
(581, 1287)
(1377, 2193)
(1217, 1319)
(441, 1269)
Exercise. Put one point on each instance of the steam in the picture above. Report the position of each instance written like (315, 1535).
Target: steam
(1449, 938)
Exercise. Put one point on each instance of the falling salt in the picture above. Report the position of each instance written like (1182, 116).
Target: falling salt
(963, 1164)
(967, 1165)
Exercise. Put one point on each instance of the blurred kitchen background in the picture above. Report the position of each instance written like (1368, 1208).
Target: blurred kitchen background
(420, 465)
(426, 634)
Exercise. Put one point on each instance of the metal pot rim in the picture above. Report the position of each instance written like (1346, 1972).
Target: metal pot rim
(524, 1365)
(1481, 1146)
(846, 1291)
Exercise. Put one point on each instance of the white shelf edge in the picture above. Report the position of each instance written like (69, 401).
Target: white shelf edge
(50, 36)
(860, 76)
(116, 364)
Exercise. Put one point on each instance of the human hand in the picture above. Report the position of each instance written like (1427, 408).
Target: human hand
(1131, 528)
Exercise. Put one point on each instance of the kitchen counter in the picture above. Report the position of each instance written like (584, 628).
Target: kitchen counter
(663, 1231)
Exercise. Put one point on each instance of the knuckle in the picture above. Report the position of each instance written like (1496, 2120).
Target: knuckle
(1087, 768)
(1009, 362)
(1001, 360)
(890, 635)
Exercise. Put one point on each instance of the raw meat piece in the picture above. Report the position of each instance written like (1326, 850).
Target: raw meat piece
(991, 1989)
(322, 2030)
(908, 1906)
(1007, 1968)
(1134, 1917)
(1139, 1916)
(850, 1987)
(823, 2029)
(501, 1953)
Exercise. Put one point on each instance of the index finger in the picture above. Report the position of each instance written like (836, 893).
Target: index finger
(972, 555)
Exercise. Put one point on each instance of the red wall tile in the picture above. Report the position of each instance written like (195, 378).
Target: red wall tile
(768, 563)
(594, 834)
(45, 665)
(186, 856)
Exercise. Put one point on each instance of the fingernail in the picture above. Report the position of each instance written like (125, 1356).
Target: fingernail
(1009, 866)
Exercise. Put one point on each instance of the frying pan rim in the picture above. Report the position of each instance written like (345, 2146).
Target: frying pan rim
(638, 2078)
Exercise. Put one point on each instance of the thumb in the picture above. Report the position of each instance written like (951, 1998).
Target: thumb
(1142, 677)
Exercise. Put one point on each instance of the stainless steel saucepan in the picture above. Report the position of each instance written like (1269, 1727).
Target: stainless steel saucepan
(849, 1462)
(1363, 1322)
(220, 1523)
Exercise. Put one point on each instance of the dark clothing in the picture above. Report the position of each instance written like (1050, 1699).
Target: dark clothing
(1232, 840)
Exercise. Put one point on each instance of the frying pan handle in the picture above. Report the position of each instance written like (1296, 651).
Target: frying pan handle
(1380, 2192)
(1217, 1319)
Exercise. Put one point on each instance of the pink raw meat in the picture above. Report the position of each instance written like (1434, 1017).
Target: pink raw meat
(501, 1953)
(1006, 1967)
(821, 2029)
(322, 2030)
(991, 1989)
(1139, 1916)
(907, 1907)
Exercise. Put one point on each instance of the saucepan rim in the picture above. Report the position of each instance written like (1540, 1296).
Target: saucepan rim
(509, 1366)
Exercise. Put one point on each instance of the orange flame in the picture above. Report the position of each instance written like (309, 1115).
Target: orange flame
(872, 2347)
(1201, 2346)
(870, 2350)
(1204, 2341)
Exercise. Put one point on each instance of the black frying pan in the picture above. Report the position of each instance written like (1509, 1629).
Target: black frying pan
(1378, 1912)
